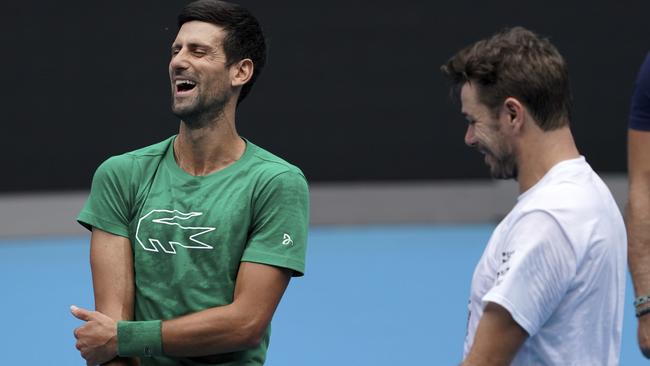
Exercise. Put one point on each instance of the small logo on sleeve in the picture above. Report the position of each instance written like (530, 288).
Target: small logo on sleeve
(504, 266)
(287, 240)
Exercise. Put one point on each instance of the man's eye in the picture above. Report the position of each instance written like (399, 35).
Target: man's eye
(175, 51)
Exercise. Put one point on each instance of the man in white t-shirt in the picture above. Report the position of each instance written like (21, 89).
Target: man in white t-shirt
(549, 288)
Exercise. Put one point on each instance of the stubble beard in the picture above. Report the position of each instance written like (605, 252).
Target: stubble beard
(504, 167)
(199, 112)
(504, 162)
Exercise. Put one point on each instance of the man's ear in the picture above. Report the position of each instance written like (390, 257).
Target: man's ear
(241, 72)
(514, 112)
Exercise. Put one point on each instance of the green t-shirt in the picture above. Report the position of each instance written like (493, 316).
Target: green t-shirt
(190, 233)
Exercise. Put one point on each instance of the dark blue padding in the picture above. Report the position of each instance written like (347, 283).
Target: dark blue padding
(640, 106)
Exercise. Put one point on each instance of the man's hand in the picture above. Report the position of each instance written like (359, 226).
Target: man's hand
(97, 339)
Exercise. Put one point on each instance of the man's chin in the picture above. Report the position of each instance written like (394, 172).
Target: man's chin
(180, 107)
(181, 111)
(499, 171)
(501, 168)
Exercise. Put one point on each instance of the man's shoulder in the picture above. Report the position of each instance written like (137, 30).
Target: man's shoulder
(154, 150)
(580, 203)
(565, 201)
(127, 159)
(270, 164)
(572, 185)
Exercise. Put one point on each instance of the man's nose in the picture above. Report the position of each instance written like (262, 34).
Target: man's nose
(179, 61)
(470, 137)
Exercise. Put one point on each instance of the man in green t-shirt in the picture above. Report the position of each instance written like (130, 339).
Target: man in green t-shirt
(194, 239)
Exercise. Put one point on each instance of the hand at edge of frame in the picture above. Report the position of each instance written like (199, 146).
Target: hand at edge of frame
(97, 338)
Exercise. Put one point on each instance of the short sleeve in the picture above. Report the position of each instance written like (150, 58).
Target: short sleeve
(108, 206)
(280, 223)
(535, 270)
(640, 105)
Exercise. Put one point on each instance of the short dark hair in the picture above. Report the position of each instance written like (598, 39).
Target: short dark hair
(244, 36)
(516, 62)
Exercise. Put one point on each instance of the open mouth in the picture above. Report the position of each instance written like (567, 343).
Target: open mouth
(184, 85)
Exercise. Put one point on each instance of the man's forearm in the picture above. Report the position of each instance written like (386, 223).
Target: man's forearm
(233, 327)
(637, 220)
(113, 280)
(212, 331)
(638, 231)
(637, 217)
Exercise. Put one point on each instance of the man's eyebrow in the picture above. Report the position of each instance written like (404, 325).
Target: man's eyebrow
(198, 45)
(193, 44)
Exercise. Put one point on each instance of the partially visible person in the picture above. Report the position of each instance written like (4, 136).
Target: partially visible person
(195, 238)
(549, 288)
(638, 204)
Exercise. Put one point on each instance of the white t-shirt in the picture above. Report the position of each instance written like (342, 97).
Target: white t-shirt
(557, 263)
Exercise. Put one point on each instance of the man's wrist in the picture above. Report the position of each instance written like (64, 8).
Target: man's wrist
(641, 300)
(642, 311)
(139, 338)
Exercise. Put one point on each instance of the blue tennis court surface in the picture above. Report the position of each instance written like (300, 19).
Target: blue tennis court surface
(372, 295)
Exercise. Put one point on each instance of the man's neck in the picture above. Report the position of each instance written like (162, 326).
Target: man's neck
(208, 149)
(540, 151)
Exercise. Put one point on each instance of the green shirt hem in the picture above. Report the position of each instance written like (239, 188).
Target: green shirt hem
(297, 266)
(88, 220)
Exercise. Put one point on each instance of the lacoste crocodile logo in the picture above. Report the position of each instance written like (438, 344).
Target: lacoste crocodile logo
(172, 218)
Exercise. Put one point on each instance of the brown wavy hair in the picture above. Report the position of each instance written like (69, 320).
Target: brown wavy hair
(518, 63)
